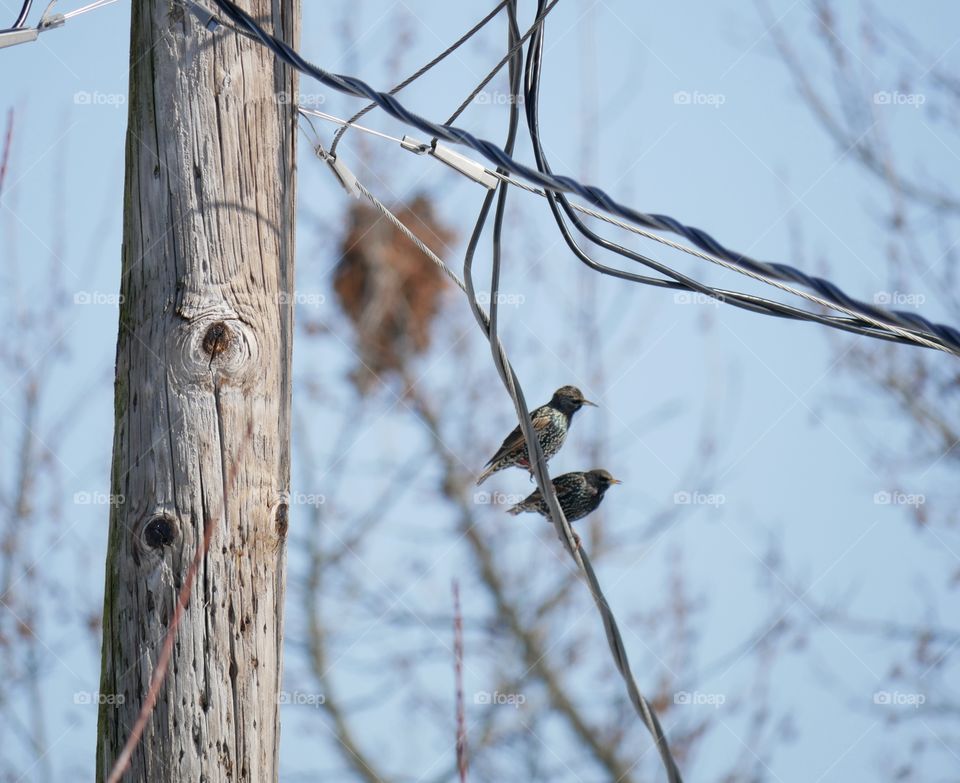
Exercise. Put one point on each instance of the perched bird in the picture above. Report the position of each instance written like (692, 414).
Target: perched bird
(579, 494)
(550, 422)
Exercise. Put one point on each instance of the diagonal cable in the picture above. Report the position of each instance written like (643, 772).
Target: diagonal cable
(911, 326)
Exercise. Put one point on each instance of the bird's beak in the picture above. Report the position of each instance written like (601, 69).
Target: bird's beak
(615, 481)
(591, 404)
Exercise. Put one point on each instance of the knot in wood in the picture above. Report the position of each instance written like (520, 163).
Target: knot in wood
(216, 339)
(214, 344)
(160, 531)
(282, 515)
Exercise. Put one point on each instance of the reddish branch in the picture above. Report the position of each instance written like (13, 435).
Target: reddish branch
(123, 760)
(458, 675)
(7, 144)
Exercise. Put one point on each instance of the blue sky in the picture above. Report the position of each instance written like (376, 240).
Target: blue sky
(677, 108)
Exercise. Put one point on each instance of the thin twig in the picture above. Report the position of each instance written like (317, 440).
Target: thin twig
(458, 677)
(7, 145)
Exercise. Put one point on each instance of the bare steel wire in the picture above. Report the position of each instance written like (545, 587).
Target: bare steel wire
(905, 326)
(564, 531)
(489, 324)
(908, 325)
(91, 7)
(674, 279)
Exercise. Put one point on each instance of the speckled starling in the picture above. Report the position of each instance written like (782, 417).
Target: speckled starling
(579, 494)
(550, 421)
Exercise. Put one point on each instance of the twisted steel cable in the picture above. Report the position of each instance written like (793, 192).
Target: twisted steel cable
(488, 324)
(680, 282)
(911, 326)
(674, 280)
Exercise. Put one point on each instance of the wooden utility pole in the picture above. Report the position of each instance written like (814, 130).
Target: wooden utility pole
(202, 433)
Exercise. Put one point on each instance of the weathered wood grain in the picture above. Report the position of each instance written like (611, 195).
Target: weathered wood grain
(202, 398)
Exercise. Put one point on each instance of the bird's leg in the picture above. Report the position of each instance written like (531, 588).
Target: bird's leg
(578, 542)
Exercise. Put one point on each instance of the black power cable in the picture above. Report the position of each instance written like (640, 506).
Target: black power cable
(677, 281)
(420, 72)
(510, 380)
(531, 106)
(21, 20)
(907, 324)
